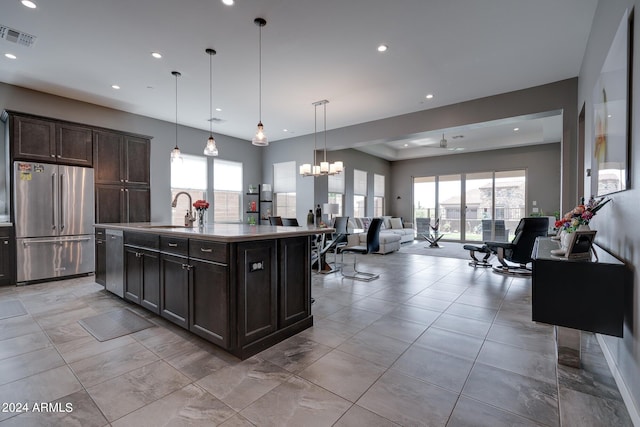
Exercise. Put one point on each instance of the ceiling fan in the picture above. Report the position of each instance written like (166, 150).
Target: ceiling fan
(443, 144)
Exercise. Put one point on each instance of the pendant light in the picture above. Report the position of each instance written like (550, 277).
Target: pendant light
(260, 139)
(175, 153)
(324, 168)
(210, 149)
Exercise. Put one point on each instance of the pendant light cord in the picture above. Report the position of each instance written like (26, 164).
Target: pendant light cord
(210, 95)
(177, 74)
(260, 74)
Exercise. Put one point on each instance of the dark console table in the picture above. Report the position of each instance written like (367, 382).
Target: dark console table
(585, 295)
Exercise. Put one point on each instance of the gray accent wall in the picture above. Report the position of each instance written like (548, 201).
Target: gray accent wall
(191, 141)
(617, 223)
(542, 163)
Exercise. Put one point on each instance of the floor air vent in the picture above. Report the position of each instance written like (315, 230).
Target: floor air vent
(15, 36)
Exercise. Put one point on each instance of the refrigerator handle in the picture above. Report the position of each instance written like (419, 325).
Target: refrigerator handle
(53, 207)
(61, 204)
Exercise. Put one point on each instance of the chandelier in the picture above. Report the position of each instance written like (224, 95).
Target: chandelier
(324, 168)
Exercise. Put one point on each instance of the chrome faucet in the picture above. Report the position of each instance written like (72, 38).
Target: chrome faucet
(188, 218)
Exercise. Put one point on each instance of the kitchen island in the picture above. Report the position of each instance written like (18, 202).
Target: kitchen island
(241, 287)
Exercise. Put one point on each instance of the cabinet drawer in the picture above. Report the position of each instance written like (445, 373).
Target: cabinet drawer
(174, 245)
(100, 234)
(209, 251)
(151, 241)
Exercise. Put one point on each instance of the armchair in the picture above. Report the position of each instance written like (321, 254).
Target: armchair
(519, 249)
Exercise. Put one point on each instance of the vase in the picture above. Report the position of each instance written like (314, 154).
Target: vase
(201, 218)
(565, 239)
(583, 227)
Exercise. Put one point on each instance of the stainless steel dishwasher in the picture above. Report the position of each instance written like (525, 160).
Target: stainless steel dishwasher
(115, 262)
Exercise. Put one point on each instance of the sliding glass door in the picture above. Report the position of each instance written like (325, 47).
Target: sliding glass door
(481, 206)
(449, 204)
(478, 206)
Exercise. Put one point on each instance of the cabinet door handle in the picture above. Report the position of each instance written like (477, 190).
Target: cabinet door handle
(173, 245)
(53, 155)
(138, 254)
(209, 250)
(187, 267)
(6, 242)
(58, 156)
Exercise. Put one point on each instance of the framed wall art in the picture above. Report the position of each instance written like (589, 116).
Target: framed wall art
(611, 114)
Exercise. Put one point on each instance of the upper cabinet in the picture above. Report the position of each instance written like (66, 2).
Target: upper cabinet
(121, 159)
(49, 141)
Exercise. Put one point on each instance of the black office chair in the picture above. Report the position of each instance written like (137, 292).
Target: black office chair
(275, 220)
(519, 250)
(289, 222)
(373, 244)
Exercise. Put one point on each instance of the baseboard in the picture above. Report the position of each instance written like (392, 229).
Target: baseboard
(624, 391)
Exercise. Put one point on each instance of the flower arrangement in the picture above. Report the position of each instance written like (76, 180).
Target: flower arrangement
(201, 206)
(581, 214)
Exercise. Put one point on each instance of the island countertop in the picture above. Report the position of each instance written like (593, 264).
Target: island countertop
(220, 232)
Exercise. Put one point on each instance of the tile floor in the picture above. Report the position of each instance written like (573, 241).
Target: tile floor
(432, 342)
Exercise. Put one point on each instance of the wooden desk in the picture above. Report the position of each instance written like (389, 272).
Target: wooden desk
(585, 295)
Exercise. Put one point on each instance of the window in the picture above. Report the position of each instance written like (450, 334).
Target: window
(190, 176)
(336, 191)
(378, 195)
(359, 193)
(284, 189)
(227, 191)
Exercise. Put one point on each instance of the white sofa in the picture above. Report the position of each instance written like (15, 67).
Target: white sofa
(392, 233)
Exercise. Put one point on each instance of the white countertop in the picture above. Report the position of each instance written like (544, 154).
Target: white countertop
(220, 232)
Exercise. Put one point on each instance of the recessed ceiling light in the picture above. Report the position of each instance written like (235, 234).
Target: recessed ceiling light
(406, 145)
(29, 4)
(516, 129)
(115, 86)
(218, 109)
(10, 56)
(228, 2)
(609, 115)
(285, 130)
(156, 55)
(383, 48)
(429, 96)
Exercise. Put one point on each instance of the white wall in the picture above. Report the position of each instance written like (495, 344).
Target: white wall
(617, 223)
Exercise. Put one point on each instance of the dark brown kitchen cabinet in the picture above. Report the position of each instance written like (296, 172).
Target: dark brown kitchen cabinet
(293, 299)
(7, 260)
(122, 177)
(257, 290)
(175, 273)
(209, 301)
(142, 270)
(115, 203)
(101, 257)
(121, 159)
(142, 284)
(50, 141)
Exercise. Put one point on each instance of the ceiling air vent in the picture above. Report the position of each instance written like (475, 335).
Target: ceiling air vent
(15, 36)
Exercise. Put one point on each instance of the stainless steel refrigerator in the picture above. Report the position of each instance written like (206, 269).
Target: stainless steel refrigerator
(54, 217)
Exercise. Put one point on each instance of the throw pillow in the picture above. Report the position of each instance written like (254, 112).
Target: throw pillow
(396, 223)
(366, 222)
